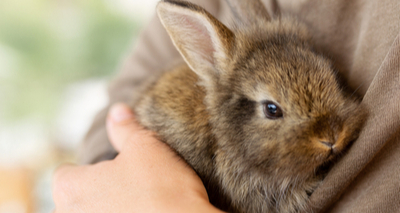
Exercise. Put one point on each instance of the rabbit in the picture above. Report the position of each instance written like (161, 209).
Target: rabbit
(255, 110)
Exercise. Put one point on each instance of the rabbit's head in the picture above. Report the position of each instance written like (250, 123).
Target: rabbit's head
(276, 106)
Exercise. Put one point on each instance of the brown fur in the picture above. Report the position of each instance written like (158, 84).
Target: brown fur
(211, 113)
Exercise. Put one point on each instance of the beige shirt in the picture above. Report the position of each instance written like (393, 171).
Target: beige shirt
(363, 38)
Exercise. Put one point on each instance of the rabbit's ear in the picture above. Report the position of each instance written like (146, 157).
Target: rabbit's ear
(248, 11)
(203, 41)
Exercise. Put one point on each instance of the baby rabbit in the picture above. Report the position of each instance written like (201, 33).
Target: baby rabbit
(255, 111)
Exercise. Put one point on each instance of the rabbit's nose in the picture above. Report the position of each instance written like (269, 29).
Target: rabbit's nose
(327, 143)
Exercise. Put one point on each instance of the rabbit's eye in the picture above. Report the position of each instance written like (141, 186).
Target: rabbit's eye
(272, 111)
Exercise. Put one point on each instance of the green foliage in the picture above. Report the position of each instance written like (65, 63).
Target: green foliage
(53, 43)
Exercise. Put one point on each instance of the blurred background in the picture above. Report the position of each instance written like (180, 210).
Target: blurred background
(56, 57)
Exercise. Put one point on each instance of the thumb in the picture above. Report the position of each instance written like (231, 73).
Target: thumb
(121, 125)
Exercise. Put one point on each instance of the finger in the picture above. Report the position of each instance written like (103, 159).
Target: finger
(121, 125)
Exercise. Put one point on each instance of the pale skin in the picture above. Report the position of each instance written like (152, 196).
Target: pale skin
(146, 176)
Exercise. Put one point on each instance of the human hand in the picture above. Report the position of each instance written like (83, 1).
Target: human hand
(146, 176)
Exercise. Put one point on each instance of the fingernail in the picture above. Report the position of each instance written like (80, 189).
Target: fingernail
(120, 112)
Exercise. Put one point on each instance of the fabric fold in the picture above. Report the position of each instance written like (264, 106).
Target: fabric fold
(383, 101)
